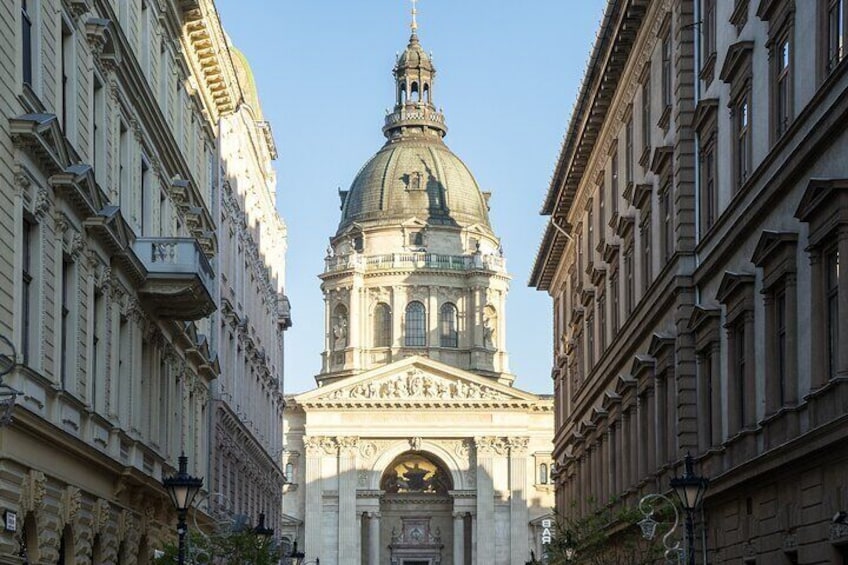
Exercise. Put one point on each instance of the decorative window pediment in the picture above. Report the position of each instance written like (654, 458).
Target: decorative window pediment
(737, 65)
(736, 292)
(642, 367)
(824, 206)
(775, 254)
(642, 196)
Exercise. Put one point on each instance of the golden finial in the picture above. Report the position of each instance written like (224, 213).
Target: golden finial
(414, 24)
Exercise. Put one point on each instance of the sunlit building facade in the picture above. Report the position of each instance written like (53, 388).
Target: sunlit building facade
(113, 176)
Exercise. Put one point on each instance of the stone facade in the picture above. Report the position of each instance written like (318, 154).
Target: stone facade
(111, 182)
(697, 222)
(415, 447)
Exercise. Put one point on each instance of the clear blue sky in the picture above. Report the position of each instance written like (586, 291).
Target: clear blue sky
(508, 74)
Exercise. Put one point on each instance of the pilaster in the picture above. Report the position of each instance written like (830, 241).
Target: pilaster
(349, 532)
(518, 516)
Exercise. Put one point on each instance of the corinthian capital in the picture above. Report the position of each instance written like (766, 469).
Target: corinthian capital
(518, 445)
(348, 445)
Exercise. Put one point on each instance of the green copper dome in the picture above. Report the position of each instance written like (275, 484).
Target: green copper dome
(415, 177)
(415, 174)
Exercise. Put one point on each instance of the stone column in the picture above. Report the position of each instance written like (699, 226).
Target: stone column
(518, 514)
(473, 548)
(458, 538)
(373, 538)
(348, 522)
(485, 544)
(312, 517)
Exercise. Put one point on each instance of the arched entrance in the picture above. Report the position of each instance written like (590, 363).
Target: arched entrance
(416, 511)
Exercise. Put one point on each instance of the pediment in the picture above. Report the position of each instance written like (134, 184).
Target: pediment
(416, 381)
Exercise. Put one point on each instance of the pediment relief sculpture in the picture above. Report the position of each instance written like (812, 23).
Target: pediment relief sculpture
(417, 385)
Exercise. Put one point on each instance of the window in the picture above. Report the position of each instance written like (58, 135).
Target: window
(602, 211)
(706, 326)
(68, 69)
(646, 118)
(709, 31)
(736, 292)
(289, 473)
(590, 233)
(27, 286)
(382, 325)
(628, 152)
(416, 325)
(614, 315)
(647, 274)
(123, 167)
(666, 72)
(614, 191)
(835, 33)
(145, 39)
(780, 343)
(416, 239)
(666, 223)
(68, 283)
(98, 131)
(97, 328)
(783, 86)
(26, 42)
(831, 264)
(590, 340)
(629, 298)
(742, 127)
(543, 474)
(340, 327)
(146, 199)
(739, 372)
(709, 195)
(602, 323)
(448, 334)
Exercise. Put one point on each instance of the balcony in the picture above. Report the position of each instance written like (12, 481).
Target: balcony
(414, 261)
(180, 281)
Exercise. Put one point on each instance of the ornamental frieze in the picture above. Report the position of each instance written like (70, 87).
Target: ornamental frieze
(417, 385)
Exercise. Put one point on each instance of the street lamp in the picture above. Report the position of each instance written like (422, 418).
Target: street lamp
(296, 557)
(182, 488)
(690, 490)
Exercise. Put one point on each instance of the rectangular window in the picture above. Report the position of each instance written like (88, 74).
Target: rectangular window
(614, 190)
(614, 316)
(709, 31)
(739, 362)
(666, 224)
(123, 166)
(590, 235)
(666, 71)
(831, 265)
(783, 86)
(602, 323)
(707, 368)
(646, 114)
(68, 67)
(579, 253)
(145, 39)
(98, 326)
(98, 130)
(590, 341)
(628, 154)
(835, 30)
(646, 255)
(67, 297)
(26, 42)
(27, 286)
(709, 196)
(742, 118)
(628, 280)
(145, 203)
(780, 342)
(602, 211)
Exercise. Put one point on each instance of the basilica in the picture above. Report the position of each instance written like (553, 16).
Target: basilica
(416, 448)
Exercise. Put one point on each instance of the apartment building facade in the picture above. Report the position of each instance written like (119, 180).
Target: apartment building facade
(697, 221)
(112, 183)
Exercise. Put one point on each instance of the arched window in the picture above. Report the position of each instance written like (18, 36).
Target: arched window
(448, 334)
(426, 92)
(416, 325)
(382, 325)
(414, 94)
(543, 474)
(289, 472)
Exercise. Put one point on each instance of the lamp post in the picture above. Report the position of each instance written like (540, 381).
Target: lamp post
(296, 557)
(690, 489)
(182, 488)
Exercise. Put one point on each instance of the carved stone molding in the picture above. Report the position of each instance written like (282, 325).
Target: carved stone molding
(71, 503)
(347, 446)
(518, 445)
(33, 491)
(491, 445)
(415, 443)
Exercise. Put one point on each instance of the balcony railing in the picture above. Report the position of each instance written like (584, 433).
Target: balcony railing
(180, 281)
(415, 260)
